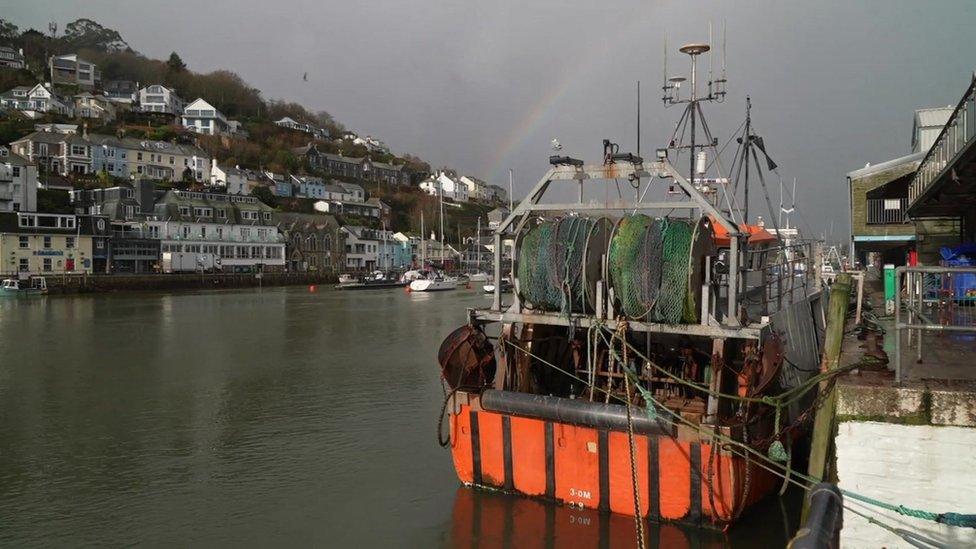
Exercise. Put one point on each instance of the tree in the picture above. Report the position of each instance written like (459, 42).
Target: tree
(8, 31)
(175, 64)
(265, 195)
(85, 33)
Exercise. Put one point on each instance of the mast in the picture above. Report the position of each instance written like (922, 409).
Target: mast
(511, 178)
(746, 146)
(423, 242)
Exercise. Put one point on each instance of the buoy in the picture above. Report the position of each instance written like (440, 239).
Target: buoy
(311, 288)
(407, 288)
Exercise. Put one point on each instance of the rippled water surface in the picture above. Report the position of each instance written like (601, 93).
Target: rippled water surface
(253, 418)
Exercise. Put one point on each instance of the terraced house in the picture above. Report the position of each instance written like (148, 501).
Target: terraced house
(130, 157)
(55, 153)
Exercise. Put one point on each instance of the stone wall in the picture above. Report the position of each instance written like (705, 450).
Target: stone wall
(114, 283)
(910, 445)
(924, 467)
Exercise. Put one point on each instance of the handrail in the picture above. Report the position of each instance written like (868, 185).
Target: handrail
(939, 156)
(918, 320)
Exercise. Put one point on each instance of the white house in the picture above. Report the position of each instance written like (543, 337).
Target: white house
(33, 101)
(232, 178)
(292, 124)
(158, 98)
(451, 187)
(202, 117)
(477, 189)
(362, 247)
(18, 183)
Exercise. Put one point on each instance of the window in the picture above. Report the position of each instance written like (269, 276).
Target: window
(24, 264)
(184, 210)
(203, 232)
(78, 150)
(245, 233)
(153, 231)
(16, 206)
(186, 231)
(99, 244)
(15, 171)
(47, 242)
(267, 216)
(220, 232)
(139, 157)
(47, 264)
(24, 242)
(172, 160)
(69, 242)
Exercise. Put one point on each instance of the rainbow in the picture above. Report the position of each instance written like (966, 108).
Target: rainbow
(532, 120)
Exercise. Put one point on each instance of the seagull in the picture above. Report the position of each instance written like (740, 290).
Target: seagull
(556, 146)
(305, 77)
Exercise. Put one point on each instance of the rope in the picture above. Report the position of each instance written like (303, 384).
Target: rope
(738, 448)
(638, 521)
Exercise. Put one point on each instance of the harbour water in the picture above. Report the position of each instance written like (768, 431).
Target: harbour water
(258, 417)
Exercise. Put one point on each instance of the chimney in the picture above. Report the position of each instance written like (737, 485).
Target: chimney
(84, 130)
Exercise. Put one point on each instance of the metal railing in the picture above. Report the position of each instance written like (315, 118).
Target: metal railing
(880, 213)
(778, 276)
(920, 307)
(959, 131)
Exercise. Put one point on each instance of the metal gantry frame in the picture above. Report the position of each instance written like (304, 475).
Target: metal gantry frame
(662, 169)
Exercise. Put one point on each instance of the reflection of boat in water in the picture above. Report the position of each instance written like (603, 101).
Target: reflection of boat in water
(377, 280)
(644, 356)
(482, 518)
(13, 287)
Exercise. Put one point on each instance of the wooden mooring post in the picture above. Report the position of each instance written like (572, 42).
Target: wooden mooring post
(823, 425)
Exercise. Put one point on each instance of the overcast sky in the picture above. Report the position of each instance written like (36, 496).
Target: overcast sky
(485, 86)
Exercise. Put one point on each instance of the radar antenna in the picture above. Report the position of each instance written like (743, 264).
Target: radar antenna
(692, 119)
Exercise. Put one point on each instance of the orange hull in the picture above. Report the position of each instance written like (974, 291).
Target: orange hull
(677, 480)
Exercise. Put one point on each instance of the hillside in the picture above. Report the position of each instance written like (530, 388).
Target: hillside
(263, 145)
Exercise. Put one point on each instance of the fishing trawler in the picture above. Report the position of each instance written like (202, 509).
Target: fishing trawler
(656, 357)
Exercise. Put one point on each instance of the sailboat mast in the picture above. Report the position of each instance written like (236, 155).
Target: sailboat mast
(423, 242)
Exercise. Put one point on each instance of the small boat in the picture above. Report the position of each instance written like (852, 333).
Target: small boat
(489, 288)
(434, 283)
(478, 277)
(13, 287)
(377, 280)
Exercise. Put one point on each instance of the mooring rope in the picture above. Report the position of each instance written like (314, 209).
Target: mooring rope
(763, 461)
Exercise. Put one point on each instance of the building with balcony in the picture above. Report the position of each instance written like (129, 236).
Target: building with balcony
(73, 70)
(239, 230)
(362, 247)
(18, 184)
(34, 101)
(122, 92)
(49, 244)
(202, 117)
(157, 98)
(882, 232)
(11, 58)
